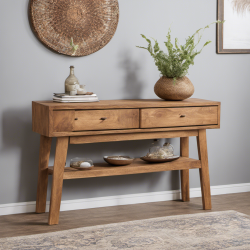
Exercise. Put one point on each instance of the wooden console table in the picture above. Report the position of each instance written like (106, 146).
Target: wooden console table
(121, 120)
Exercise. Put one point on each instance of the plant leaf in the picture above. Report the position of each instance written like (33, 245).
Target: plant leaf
(176, 62)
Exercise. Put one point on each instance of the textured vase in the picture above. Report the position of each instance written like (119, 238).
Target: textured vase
(167, 89)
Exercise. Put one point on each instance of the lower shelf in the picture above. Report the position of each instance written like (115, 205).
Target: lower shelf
(137, 167)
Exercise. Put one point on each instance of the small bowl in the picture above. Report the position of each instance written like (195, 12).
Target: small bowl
(113, 160)
(157, 160)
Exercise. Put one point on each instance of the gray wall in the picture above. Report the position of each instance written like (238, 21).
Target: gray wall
(29, 72)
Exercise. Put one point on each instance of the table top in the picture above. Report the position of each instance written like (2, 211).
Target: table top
(125, 104)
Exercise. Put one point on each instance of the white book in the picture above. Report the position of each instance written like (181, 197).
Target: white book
(84, 100)
(75, 99)
(63, 96)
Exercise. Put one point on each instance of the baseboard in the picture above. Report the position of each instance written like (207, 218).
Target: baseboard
(29, 207)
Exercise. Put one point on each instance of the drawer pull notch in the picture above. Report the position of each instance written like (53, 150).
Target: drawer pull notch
(103, 118)
(183, 116)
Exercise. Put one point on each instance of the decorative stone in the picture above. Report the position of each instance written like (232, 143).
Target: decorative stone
(85, 165)
(81, 163)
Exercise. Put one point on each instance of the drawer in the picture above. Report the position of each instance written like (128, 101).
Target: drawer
(80, 120)
(178, 117)
(106, 119)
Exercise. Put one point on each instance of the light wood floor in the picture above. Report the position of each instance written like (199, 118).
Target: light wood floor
(26, 224)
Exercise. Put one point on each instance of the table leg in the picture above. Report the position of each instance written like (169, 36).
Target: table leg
(185, 173)
(204, 170)
(42, 184)
(57, 181)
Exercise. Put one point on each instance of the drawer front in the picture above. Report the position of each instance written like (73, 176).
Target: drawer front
(63, 120)
(178, 117)
(106, 119)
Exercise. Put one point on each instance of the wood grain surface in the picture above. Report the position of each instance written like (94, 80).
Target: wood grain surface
(128, 104)
(51, 119)
(106, 119)
(204, 170)
(63, 121)
(131, 136)
(137, 167)
(120, 120)
(40, 118)
(57, 181)
(42, 184)
(184, 152)
(131, 131)
(178, 117)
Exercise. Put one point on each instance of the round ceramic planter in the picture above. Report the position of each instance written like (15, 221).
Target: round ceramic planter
(167, 89)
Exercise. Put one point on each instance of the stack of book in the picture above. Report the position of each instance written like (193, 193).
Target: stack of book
(58, 97)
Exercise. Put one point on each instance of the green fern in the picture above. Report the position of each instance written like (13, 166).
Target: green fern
(176, 62)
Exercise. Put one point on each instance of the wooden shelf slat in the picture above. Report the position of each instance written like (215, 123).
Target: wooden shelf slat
(137, 167)
(131, 131)
(131, 137)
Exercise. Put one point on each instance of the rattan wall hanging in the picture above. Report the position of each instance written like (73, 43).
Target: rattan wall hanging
(74, 27)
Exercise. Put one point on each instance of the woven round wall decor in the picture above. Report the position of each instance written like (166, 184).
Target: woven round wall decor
(90, 23)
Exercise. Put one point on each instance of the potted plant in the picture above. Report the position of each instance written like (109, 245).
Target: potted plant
(174, 65)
